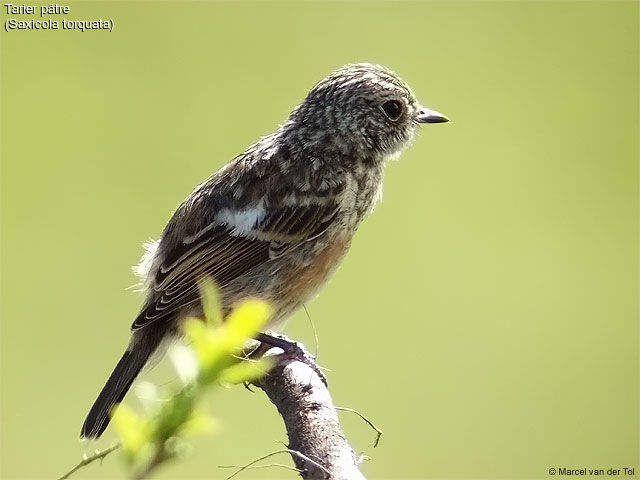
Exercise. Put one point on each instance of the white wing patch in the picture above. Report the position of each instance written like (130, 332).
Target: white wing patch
(241, 222)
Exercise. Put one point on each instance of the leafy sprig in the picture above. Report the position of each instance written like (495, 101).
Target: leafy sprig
(150, 441)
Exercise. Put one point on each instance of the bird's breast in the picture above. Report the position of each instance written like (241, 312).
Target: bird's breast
(301, 282)
(363, 190)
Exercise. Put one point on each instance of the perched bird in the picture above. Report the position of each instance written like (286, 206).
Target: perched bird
(276, 221)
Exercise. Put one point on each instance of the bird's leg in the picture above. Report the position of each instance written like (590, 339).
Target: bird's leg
(290, 348)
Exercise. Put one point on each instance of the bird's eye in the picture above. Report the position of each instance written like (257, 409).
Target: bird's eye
(392, 109)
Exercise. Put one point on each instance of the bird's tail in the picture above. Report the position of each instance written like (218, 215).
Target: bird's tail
(115, 389)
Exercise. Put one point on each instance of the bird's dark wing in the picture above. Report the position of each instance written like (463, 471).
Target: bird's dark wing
(229, 247)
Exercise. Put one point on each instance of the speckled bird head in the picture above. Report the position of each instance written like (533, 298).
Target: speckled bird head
(362, 108)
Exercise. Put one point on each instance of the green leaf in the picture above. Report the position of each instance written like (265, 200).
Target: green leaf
(246, 371)
(211, 303)
(246, 320)
(133, 430)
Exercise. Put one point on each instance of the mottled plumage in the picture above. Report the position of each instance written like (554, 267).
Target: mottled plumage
(276, 221)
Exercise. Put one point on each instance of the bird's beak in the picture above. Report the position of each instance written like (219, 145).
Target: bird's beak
(426, 115)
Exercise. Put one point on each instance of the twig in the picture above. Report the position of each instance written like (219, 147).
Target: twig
(90, 459)
(316, 441)
(315, 332)
(369, 422)
(317, 444)
(293, 453)
(269, 465)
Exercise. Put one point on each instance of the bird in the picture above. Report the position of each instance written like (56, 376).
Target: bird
(276, 221)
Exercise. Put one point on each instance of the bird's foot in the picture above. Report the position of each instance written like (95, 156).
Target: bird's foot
(290, 349)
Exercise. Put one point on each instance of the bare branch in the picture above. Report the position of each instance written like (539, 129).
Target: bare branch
(252, 463)
(296, 387)
(255, 467)
(367, 421)
(90, 459)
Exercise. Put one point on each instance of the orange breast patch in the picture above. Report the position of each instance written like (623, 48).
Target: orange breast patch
(304, 282)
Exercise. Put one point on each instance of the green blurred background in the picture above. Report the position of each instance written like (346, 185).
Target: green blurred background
(487, 316)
